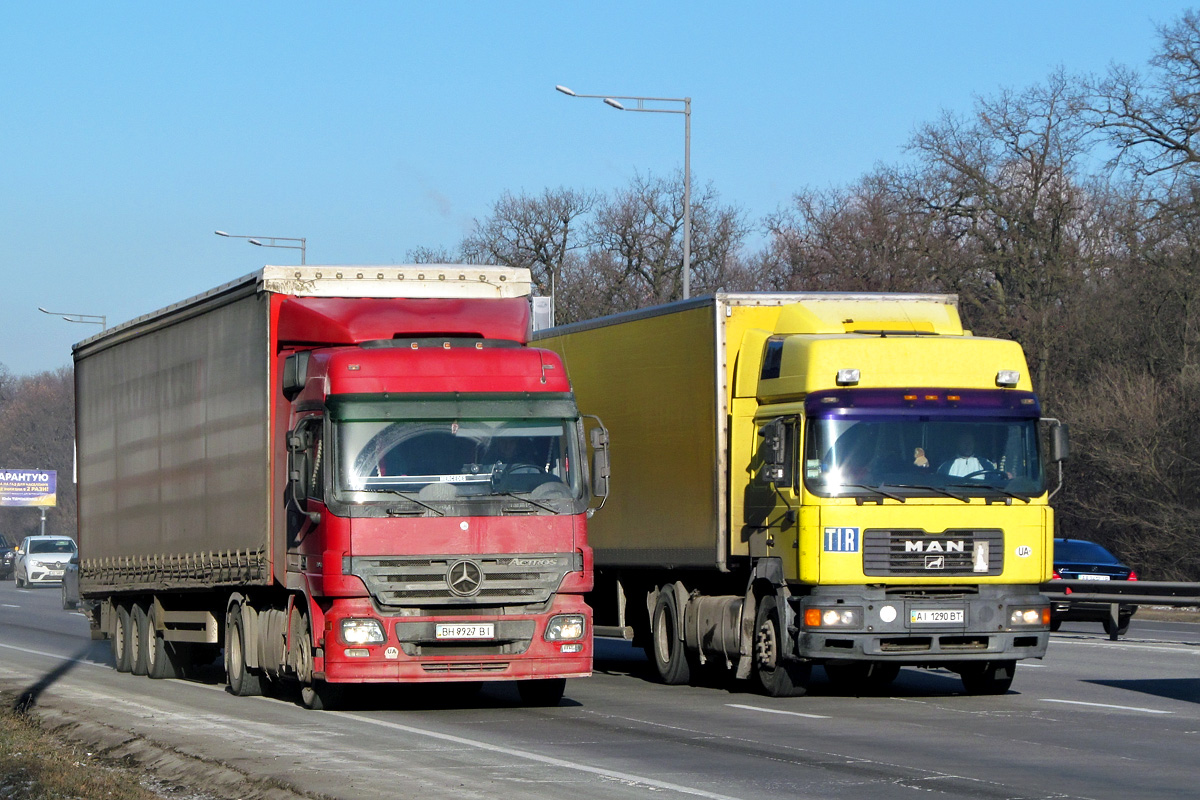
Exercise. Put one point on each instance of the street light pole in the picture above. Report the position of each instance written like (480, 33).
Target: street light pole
(613, 100)
(89, 319)
(271, 240)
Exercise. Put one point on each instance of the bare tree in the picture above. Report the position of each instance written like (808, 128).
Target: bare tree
(538, 233)
(640, 231)
(868, 237)
(1154, 120)
(1006, 182)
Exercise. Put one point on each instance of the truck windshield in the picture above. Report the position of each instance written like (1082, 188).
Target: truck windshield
(447, 460)
(920, 454)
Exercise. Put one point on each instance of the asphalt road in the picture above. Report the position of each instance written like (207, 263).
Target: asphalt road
(1095, 719)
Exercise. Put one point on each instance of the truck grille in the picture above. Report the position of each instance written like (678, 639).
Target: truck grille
(491, 580)
(918, 553)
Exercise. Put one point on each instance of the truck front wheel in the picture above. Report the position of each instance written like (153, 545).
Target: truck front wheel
(666, 646)
(543, 692)
(774, 674)
(987, 677)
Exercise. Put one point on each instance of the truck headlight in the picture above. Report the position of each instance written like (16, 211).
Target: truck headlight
(833, 617)
(564, 627)
(362, 631)
(1029, 616)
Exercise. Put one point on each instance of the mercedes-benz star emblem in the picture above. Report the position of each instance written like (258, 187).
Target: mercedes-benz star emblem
(464, 578)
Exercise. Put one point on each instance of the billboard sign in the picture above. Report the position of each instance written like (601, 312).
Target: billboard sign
(27, 487)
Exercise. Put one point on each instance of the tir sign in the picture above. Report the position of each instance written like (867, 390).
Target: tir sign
(841, 540)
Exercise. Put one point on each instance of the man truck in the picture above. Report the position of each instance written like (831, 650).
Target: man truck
(338, 475)
(787, 488)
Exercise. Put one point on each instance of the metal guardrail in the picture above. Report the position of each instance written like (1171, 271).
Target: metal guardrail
(1118, 593)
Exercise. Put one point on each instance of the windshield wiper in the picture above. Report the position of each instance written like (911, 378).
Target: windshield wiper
(997, 489)
(395, 512)
(876, 490)
(1016, 496)
(937, 489)
(527, 500)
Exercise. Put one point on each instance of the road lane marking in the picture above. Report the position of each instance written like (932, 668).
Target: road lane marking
(777, 711)
(1187, 648)
(539, 758)
(527, 755)
(59, 656)
(1106, 705)
(9, 605)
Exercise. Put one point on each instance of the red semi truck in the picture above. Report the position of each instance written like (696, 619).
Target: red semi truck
(338, 475)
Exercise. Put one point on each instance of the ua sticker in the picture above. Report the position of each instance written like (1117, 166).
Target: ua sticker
(1024, 551)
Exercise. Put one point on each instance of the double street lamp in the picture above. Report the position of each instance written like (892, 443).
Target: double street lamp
(614, 101)
(88, 319)
(270, 241)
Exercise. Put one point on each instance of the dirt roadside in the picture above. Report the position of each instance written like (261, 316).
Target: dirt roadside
(159, 770)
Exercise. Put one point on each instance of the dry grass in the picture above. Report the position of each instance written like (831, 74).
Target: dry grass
(36, 765)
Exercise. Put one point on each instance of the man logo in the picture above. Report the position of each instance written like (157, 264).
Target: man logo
(935, 562)
(464, 578)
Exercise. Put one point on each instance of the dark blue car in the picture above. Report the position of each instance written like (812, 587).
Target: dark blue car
(1081, 560)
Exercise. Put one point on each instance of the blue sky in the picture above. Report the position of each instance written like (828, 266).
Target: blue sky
(129, 132)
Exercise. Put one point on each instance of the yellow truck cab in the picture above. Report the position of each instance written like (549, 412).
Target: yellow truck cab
(845, 480)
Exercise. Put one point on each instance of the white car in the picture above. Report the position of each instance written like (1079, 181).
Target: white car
(41, 559)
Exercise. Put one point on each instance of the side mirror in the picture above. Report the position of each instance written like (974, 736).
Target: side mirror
(298, 443)
(1060, 445)
(773, 452)
(601, 469)
(295, 374)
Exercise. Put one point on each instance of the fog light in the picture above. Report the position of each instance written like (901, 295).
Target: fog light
(833, 617)
(362, 631)
(564, 627)
(570, 648)
(1029, 616)
(356, 652)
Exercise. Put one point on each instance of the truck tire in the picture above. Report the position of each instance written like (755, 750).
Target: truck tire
(242, 682)
(987, 677)
(321, 696)
(138, 636)
(545, 692)
(775, 676)
(120, 639)
(862, 677)
(666, 648)
(160, 655)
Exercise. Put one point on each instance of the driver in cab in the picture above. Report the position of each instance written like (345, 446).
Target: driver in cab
(965, 462)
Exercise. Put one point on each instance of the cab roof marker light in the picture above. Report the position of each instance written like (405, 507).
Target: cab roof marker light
(848, 377)
(1008, 378)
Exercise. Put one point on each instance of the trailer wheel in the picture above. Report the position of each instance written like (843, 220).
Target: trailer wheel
(775, 676)
(666, 646)
(545, 692)
(987, 677)
(138, 637)
(161, 661)
(242, 682)
(120, 639)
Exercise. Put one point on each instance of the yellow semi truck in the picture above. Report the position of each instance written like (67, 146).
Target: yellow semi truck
(798, 479)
